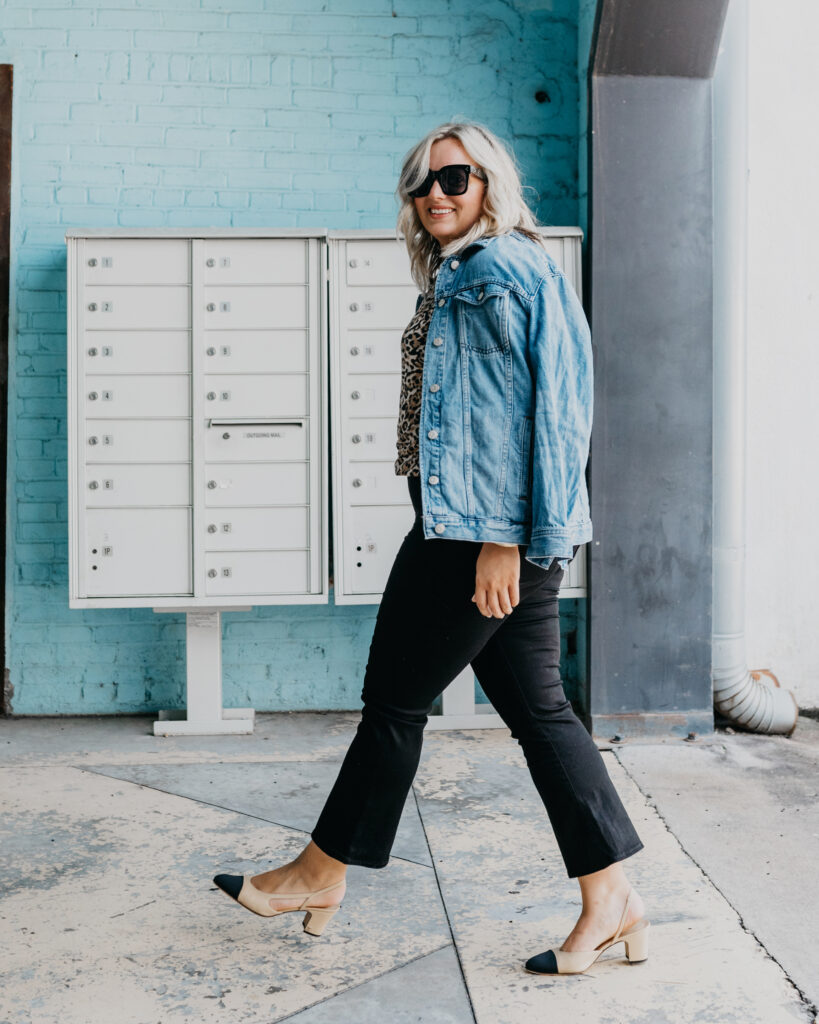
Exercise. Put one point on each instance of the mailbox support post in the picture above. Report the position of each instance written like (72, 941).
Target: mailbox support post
(205, 714)
(459, 710)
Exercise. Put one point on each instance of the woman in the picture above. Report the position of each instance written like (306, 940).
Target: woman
(493, 436)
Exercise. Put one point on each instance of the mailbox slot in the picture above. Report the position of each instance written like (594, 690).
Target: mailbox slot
(137, 441)
(256, 572)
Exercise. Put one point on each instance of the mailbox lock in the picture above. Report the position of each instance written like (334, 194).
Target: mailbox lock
(92, 351)
(92, 440)
(211, 351)
(211, 484)
(356, 482)
(354, 350)
(211, 306)
(93, 396)
(226, 436)
(211, 527)
(92, 262)
(210, 262)
(92, 306)
(353, 307)
(353, 264)
(211, 395)
(355, 394)
(356, 438)
(93, 485)
(212, 573)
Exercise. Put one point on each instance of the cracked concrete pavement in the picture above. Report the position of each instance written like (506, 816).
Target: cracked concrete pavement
(110, 838)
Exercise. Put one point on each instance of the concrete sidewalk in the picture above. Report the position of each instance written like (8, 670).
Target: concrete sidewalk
(110, 837)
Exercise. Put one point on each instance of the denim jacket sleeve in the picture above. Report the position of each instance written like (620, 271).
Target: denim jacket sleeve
(560, 358)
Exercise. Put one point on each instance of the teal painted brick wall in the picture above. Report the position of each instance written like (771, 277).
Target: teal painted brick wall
(192, 113)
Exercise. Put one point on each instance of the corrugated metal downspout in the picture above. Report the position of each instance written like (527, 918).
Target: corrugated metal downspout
(751, 700)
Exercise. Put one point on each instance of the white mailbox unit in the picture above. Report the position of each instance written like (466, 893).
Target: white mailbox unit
(198, 430)
(372, 298)
(197, 427)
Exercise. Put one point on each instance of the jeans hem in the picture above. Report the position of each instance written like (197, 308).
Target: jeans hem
(346, 858)
(610, 859)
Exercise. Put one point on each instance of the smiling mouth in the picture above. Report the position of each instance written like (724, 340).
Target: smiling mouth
(442, 211)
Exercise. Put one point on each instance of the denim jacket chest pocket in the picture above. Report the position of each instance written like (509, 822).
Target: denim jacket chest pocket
(481, 318)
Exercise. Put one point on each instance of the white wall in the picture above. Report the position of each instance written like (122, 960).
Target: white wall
(782, 580)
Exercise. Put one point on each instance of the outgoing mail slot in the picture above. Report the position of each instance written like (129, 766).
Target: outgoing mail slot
(107, 484)
(136, 261)
(378, 308)
(137, 441)
(226, 308)
(384, 261)
(134, 552)
(259, 483)
(244, 529)
(266, 351)
(374, 483)
(245, 261)
(370, 352)
(266, 395)
(368, 439)
(137, 352)
(265, 441)
(111, 307)
(134, 395)
(256, 572)
(372, 537)
(371, 394)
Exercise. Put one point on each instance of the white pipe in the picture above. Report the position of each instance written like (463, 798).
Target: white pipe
(750, 700)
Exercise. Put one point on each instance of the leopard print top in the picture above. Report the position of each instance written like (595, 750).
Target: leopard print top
(413, 343)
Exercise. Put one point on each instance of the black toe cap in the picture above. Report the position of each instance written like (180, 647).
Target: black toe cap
(543, 963)
(231, 884)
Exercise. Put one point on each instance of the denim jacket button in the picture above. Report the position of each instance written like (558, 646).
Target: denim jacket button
(435, 387)
(432, 434)
(433, 479)
(441, 302)
(437, 341)
(455, 264)
(439, 527)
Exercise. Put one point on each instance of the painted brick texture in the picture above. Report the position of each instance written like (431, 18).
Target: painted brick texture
(193, 113)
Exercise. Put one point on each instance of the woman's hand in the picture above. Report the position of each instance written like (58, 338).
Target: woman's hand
(497, 572)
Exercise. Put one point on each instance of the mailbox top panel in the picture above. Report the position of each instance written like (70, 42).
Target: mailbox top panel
(355, 233)
(216, 232)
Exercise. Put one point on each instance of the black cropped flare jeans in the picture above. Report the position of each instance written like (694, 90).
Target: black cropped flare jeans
(427, 630)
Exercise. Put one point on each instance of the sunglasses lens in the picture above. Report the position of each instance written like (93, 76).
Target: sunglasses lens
(424, 188)
(454, 180)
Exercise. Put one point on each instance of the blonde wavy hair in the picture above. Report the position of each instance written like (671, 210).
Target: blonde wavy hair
(504, 208)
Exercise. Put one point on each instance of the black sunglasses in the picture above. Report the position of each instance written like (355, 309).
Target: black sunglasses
(454, 180)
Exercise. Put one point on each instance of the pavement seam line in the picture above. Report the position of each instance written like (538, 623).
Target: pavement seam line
(807, 1004)
(360, 984)
(221, 807)
(445, 907)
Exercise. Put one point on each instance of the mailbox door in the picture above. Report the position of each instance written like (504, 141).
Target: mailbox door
(136, 552)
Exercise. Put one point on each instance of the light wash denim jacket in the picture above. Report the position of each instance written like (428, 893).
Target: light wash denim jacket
(506, 410)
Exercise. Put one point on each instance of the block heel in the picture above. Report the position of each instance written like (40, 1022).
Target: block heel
(317, 918)
(636, 942)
